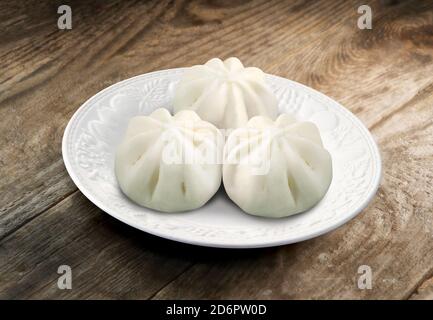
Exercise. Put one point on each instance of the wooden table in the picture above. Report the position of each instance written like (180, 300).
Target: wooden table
(383, 75)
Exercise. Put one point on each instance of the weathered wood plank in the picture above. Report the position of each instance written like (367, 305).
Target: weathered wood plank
(424, 291)
(44, 80)
(108, 259)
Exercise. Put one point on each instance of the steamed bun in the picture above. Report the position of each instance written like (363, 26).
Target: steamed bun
(169, 163)
(225, 93)
(276, 169)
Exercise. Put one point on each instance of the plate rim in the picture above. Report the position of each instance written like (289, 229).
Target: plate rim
(216, 244)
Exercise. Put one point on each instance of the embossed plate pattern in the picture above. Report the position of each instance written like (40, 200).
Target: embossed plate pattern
(97, 127)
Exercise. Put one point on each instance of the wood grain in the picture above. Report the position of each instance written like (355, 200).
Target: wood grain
(424, 291)
(126, 263)
(383, 75)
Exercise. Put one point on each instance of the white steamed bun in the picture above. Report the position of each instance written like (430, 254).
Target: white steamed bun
(276, 169)
(169, 163)
(225, 93)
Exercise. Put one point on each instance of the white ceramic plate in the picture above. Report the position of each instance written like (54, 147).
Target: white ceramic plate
(97, 127)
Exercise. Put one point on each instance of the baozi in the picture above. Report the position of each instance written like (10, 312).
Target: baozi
(276, 169)
(170, 163)
(225, 93)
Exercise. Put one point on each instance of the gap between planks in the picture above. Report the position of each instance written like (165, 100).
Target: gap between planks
(18, 227)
